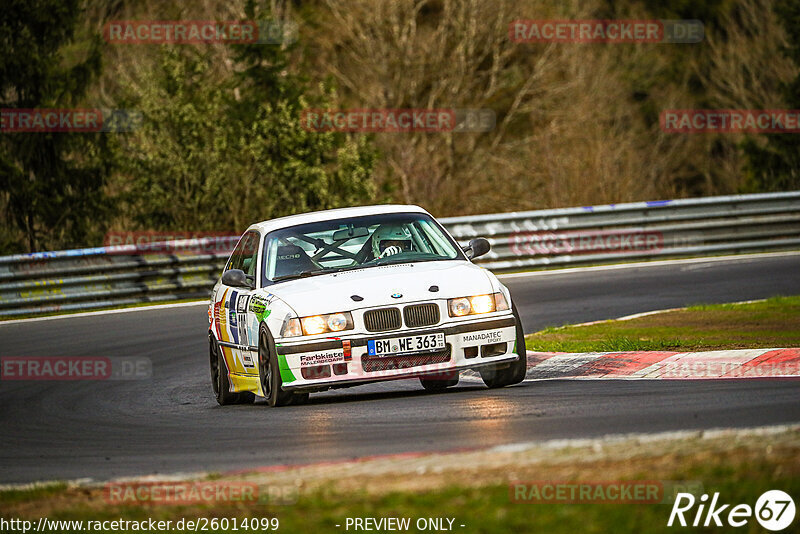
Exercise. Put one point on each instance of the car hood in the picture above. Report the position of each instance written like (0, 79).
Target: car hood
(376, 285)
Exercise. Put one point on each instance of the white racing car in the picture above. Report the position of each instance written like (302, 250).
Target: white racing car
(350, 296)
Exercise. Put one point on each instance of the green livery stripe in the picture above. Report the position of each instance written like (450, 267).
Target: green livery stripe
(286, 373)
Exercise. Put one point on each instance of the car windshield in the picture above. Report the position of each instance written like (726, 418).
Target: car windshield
(354, 243)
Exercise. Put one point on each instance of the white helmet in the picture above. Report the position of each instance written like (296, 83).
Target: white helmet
(388, 235)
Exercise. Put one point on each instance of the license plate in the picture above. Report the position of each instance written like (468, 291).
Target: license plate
(404, 345)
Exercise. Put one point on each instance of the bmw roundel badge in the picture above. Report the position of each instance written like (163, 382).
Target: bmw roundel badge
(397, 295)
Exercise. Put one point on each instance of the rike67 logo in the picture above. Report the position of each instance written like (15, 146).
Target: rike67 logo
(774, 510)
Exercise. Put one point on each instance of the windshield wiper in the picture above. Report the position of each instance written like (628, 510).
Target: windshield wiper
(350, 268)
(317, 272)
(302, 274)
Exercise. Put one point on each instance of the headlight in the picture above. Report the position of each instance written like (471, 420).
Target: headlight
(337, 322)
(500, 303)
(318, 324)
(482, 304)
(292, 328)
(476, 305)
(313, 325)
(459, 307)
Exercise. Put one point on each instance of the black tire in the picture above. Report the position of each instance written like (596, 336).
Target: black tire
(269, 374)
(219, 378)
(515, 372)
(438, 384)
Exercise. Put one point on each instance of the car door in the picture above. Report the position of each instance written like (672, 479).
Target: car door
(231, 307)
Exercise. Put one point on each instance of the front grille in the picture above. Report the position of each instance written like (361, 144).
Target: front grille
(421, 315)
(382, 320)
(372, 365)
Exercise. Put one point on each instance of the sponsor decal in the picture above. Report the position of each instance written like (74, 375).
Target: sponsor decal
(321, 358)
(489, 337)
(247, 359)
(241, 304)
(216, 318)
(258, 305)
(232, 319)
(241, 313)
(222, 317)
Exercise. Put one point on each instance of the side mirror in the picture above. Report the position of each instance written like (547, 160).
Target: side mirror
(477, 247)
(236, 278)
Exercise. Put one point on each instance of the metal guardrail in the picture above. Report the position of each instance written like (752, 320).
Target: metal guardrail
(86, 279)
(669, 228)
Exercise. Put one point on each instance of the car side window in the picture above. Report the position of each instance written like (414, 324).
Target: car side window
(245, 254)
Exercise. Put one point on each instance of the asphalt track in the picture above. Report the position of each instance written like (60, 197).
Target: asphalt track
(171, 423)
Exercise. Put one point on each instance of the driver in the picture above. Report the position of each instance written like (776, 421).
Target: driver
(388, 240)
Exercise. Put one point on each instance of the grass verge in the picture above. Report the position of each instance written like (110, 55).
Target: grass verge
(773, 323)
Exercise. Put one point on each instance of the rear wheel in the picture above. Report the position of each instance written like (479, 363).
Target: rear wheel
(269, 374)
(515, 372)
(441, 382)
(220, 381)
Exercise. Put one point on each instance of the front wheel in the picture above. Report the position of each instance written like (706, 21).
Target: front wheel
(514, 373)
(269, 374)
(219, 378)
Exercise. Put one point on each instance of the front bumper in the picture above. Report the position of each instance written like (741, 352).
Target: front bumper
(344, 361)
